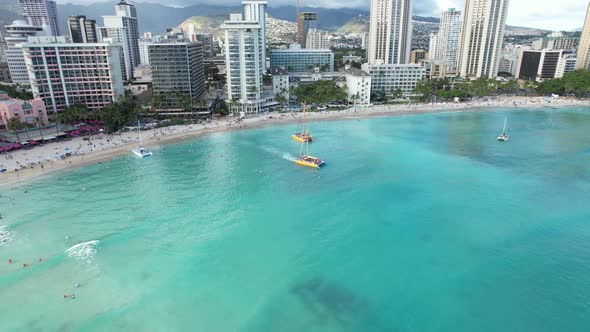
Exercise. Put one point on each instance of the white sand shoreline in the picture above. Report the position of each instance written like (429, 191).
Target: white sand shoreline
(46, 159)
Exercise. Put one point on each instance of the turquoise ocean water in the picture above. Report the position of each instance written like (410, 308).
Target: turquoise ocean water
(418, 223)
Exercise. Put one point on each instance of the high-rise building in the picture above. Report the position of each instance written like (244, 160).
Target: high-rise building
(569, 63)
(2, 48)
(255, 11)
(122, 28)
(433, 45)
(297, 59)
(390, 32)
(482, 37)
(448, 37)
(305, 22)
(41, 13)
(144, 56)
(316, 40)
(541, 65)
(63, 74)
(207, 40)
(417, 55)
(177, 70)
(5, 73)
(82, 30)
(559, 41)
(16, 34)
(245, 63)
(583, 61)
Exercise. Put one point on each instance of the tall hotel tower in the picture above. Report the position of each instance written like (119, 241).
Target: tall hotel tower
(482, 37)
(390, 32)
(584, 48)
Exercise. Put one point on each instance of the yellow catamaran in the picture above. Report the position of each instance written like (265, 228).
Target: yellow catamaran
(303, 136)
(306, 159)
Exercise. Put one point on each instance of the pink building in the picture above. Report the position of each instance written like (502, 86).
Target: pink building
(25, 111)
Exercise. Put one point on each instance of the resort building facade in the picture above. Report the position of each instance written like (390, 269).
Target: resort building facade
(390, 78)
(63, 74)
(26, 111)
(297, 59)
(177, 69)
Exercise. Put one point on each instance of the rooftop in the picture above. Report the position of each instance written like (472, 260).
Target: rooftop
(278, 71)
(355, 72)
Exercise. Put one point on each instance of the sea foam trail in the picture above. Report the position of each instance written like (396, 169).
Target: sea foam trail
(5, 235)
(277, 152)
(85, 250)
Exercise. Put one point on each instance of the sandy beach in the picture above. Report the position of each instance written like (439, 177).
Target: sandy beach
(25, 164)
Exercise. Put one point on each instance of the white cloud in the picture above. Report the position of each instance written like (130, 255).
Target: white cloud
(544, 14)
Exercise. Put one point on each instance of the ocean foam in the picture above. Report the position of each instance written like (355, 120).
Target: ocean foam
(85, 250)
(5, 235)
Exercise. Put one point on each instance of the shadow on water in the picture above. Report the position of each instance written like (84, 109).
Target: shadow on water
(330, 300)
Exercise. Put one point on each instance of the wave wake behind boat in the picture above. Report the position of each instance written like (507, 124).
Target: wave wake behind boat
(277, 152)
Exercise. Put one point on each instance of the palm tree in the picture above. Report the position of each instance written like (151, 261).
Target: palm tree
(38, 123)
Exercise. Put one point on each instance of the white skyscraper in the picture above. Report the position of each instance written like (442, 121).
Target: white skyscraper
(255, 10)
(122, 28)
(433, 46)
(390, 32)
(448, 37)
(316, 40)
(245, 57)
(583, 61)
(481, 38)
(41, 13)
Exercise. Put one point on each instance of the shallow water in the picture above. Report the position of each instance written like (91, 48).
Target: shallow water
(418, 223)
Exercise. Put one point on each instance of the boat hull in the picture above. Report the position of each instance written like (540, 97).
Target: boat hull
(141, 154)
(503, 138)
(308, 163)
(301, 139)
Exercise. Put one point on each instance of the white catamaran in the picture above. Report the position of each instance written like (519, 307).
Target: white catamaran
(504, 136)
(140, 151)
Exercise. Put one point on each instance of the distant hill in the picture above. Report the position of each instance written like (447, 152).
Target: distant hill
(514, 30)
(357, 24)
(208, 24)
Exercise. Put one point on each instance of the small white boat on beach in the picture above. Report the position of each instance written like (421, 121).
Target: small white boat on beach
(140, 151)
(503, 137)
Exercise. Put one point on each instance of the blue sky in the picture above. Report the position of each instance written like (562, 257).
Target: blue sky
(545, 14)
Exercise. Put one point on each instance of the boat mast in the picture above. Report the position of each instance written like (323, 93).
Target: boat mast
(505, 120)
(139, 131)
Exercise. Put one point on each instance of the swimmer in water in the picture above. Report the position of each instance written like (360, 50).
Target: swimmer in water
(73, 296)
(77, 285)
(10, 261)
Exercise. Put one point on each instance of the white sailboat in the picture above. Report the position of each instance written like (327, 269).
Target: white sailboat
(504, 136)
(140, 151)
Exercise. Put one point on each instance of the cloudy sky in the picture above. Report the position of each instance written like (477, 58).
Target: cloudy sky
(545, 14)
